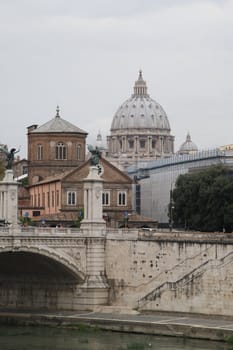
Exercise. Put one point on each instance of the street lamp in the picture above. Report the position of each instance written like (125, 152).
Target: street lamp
(126, 218)
(171, 207)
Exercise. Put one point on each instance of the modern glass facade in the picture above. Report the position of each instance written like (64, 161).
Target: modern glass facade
(157, 178)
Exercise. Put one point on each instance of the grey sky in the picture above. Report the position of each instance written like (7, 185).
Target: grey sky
(85, 56)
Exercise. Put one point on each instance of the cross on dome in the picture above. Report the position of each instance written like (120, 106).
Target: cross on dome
(188, 137)
(140, 75)
(58, 110)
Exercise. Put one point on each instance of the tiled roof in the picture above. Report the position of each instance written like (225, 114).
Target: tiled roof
(68, 216)
(58, 124)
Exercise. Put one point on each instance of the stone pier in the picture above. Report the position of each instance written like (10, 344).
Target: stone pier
(9, 199)
(94, 228)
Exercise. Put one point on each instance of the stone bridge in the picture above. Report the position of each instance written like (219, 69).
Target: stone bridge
(89, 268)
(75, 269)
(52, 268)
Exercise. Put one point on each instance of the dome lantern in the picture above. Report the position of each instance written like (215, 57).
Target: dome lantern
(140, 88)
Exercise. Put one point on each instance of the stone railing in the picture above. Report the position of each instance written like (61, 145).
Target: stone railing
(51, 230)
(40, 230)
(122, 234)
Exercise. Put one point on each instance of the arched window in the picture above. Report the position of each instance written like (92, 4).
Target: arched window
(142, 143)
(122, 198)
(131, 143)
(43, 199)
(79, 148)
(57, 198)
(71, 198)
(106, 198)
(53, 199)
(61, 151)
(39, 152)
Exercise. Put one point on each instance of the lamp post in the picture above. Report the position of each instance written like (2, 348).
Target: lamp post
(126, 218)
(171, 207)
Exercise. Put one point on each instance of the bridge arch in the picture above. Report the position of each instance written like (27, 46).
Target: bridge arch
(62, 260)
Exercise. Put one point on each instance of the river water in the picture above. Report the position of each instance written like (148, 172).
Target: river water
(46, 338)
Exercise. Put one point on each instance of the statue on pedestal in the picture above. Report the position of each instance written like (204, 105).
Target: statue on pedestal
(9, 156)
(95, 154)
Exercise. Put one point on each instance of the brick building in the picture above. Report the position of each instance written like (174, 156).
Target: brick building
(59, 198)
(57, 165)
(54, 147)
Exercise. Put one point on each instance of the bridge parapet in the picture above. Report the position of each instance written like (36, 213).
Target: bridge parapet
(31, 230)
(122, 234)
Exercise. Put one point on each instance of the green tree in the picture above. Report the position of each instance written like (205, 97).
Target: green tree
(80, 218)
(24, 182)
(203, 200)
(2, 169)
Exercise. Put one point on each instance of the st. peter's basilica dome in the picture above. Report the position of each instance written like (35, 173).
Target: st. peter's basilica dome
(140, 111)
(140, 129)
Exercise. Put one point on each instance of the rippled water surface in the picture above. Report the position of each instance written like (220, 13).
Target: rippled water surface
(38, 338)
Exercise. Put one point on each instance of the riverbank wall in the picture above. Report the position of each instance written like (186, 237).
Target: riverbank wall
(196, 327)
(190, 272)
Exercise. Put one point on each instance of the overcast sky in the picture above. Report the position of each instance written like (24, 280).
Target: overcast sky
(85, 56)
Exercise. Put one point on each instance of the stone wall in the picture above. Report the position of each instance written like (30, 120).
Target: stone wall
(82, 269)
(183, 272)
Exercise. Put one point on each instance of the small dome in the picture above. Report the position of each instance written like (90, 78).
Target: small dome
(99, 140)
(188, 146)
(140, 111)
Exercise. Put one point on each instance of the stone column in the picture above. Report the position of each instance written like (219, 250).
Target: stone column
(135, 144)
(9, 199)
(161, 145)
(112, 149)
(114, 144)
(109, 145)
(149, 144)
(93, 226)
(118, 145)
(93, 209)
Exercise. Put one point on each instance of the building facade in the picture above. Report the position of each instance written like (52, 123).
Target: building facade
(59, 198)
(158, 178)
